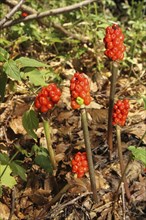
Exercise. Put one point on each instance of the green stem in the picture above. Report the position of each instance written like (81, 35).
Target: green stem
(123, 174)
(89, 153)
(111, 105)
(47, 131)
(118, 130)
(8, 164)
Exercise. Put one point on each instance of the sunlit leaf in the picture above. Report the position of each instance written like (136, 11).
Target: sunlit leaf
(36, 78)
(12, 70)
(29, 62)
(7, 179)
(138, 153)
(4, 55)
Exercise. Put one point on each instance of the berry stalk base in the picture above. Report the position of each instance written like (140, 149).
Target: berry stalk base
(89, 153)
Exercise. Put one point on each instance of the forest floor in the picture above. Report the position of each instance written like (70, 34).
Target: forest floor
(36, 198)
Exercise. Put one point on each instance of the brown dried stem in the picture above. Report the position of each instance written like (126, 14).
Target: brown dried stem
(114, 71)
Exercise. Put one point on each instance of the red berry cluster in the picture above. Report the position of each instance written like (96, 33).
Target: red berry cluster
(80, 164)
(80, 91)
(114, 43)
(120, 112)
(47, 98)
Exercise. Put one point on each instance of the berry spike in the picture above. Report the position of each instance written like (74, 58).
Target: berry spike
(113, 41)
(47, 98)
(120, 112)
(80, 91)
(80, 164)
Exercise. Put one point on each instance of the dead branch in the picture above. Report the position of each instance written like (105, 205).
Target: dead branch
(11, 13)
(52, 12)
(69, 34)
(13, 3)
(58, 27)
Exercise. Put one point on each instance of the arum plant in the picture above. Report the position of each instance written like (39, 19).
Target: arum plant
(45, 101)
(114, 51)
(120, 113)
(80, 97)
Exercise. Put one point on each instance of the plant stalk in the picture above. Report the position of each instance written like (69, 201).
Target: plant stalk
(118, 131)
(89, 153)
(123, 175)
(8, 164)
(114, 72)
(47, 131)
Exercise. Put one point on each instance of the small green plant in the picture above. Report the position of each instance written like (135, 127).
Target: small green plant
(8, 166)
(23, 69)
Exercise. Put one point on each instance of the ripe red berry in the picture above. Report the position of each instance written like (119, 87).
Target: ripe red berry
(44, 108)
(24, 14)
(120, 112)
(80, 164)
(74, 104)
(114, 43)
(43, 100)
(47, 98)
(37, 104)
(80, 90)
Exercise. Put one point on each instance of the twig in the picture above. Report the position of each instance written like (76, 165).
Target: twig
(11, 13)
(52, 12)
(60, 28)
(12, 204)
(25, 8)
(83, 39)
(111, 105)
(54, 200)
(89, 153)
(71, 202)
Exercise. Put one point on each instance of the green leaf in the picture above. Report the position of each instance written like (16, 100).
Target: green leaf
(11, 69)
(36, 78)
(4, 55)
(42, 159)
(22, 151)
(7, 179)
(4, 159)
(138, 153)
(18, 170)
(28, 62)
(3, 82)
(30, 122)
